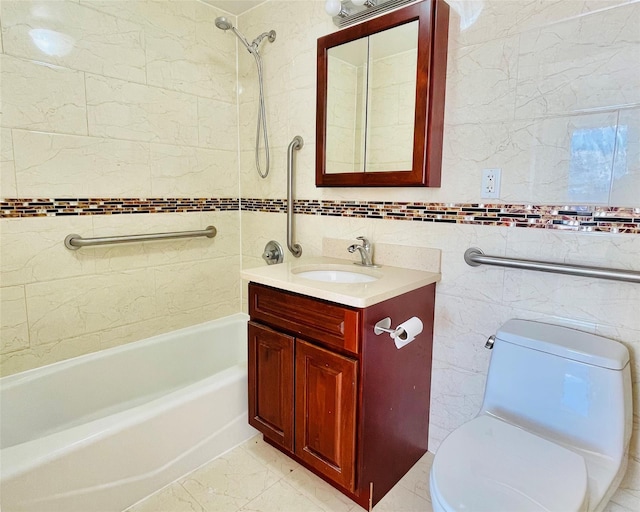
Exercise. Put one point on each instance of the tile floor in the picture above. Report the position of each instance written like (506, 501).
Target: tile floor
(255, 477)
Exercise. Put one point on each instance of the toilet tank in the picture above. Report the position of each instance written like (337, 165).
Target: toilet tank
(562, 383)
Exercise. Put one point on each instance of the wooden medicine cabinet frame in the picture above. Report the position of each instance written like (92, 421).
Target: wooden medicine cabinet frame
(433, 27)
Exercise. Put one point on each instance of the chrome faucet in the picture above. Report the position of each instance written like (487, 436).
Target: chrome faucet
(366, 252)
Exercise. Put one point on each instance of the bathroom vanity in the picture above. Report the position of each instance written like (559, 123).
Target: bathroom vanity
(324, 389)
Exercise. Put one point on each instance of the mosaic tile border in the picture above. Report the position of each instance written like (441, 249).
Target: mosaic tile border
(10, 208)
(609, 219)
(573, 218)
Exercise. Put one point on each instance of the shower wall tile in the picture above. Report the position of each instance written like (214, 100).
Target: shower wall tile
(218, 124)
(261, 232)
(41, 355)
(124, 110)
(142, 105)
(54, 165)
(117, 258)
(7, 165)
(33, 249)
(14, 330)
(81, 305)
(38, 96)
(168, 15)
(94, 42)
(275, 186)
(301, 120)
(200, 284)
(277, 110)
(580, 64)
(185, 64)
(180, 171)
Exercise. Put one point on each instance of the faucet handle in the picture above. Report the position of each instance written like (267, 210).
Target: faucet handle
(365, 242)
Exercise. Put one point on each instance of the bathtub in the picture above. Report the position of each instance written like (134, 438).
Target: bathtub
(102, 431)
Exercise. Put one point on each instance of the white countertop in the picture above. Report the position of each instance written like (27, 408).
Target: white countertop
(393, 281)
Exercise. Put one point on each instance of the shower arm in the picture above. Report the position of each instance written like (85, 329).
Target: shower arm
(296, 143)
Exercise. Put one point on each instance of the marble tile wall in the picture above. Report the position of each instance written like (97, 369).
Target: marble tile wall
(547, 90)
(114, 99)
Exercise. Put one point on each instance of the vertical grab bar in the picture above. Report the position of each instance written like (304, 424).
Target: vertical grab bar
(296, 143)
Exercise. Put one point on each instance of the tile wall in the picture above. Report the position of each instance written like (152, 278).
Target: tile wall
(547, 90)
(112, 112)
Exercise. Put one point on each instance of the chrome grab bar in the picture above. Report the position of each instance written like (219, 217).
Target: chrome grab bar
(74, 242)
(475, 257)
(296, 143)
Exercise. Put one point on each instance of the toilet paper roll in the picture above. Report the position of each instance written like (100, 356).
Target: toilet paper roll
(406, 332)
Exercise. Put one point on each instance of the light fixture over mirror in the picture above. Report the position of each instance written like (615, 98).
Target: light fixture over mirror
(348, 12)
(380, 100)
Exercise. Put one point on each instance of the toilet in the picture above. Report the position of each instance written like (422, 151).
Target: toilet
(552, 433)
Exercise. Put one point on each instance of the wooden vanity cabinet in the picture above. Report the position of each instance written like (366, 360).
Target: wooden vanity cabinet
(328, 392)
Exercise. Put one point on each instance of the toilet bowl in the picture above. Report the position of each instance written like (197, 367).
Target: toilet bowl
(553, 431)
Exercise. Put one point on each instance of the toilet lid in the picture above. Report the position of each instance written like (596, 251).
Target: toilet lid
(490, 465)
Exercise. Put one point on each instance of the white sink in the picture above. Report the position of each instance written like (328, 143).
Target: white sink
(336, 276)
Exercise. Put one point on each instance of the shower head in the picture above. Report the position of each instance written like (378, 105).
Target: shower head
(223, 24)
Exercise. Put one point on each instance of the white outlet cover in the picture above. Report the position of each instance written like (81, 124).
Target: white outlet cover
(490, 187)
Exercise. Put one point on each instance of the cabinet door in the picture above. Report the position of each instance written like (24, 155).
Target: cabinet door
(326, 412)
(271, 384)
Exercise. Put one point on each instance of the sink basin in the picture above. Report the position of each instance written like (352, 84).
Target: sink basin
(337, 276)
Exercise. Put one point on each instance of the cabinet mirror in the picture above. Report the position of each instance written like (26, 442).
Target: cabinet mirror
(380, 100)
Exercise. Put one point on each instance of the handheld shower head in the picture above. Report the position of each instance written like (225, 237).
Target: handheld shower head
(223, 24)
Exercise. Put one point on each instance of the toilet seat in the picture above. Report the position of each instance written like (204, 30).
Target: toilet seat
(490, 465)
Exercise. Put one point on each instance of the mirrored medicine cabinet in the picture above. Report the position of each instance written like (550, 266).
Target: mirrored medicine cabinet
(380, 100)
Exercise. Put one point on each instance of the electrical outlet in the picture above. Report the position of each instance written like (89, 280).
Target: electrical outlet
(490, 183)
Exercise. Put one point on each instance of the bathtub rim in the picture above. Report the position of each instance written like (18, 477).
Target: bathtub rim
(15, 379)
(21, 458)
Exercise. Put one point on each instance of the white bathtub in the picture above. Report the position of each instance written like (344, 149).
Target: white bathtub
(102, 431)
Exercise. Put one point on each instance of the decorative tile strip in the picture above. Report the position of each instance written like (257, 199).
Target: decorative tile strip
(609, 219)
(112, 206)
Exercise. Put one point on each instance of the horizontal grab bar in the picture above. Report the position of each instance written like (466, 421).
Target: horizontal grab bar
(475, 257)
(74, 242)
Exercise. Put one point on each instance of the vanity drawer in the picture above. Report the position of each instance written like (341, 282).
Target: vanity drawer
(332, 324)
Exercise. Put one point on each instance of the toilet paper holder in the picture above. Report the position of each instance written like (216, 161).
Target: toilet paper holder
(384, 325)
(402, 335)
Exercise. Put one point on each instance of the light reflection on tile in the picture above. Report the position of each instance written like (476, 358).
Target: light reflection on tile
(626, 165)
